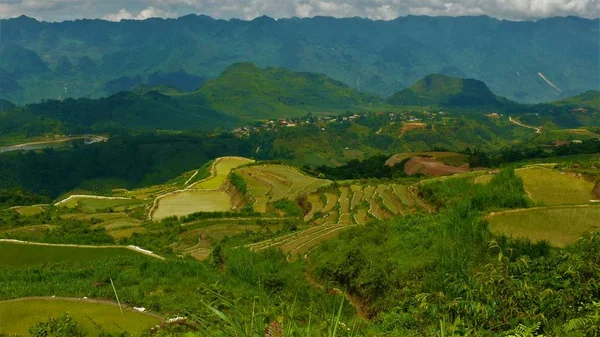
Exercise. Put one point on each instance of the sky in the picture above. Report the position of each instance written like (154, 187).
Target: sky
(114, 10)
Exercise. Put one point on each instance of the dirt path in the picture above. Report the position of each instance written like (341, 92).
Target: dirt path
(130, 247)
(538, 130)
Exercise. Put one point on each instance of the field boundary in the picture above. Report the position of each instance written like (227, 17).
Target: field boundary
(130, 247)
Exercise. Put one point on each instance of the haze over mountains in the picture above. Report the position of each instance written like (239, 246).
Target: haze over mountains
(523, 61)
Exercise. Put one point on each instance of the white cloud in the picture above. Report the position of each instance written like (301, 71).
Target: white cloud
(54, 10)
(150, 12)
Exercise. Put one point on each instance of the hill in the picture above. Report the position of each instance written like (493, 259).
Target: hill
(590, 98)
(132, 110)
(445, 91)
(249, 92)
(379, 57)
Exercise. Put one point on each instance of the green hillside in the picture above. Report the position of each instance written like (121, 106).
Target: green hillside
(445, 91)
(249, 92)
(590, 98)
(150, 109)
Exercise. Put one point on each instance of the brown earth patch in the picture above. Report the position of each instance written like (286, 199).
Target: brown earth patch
(411, 126)
(431, 167)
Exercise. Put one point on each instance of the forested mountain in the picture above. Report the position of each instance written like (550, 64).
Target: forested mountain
(249, 92)
(447, 91)
(93, 58)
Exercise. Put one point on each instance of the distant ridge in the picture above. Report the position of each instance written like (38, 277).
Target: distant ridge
(95, 58)
(446, 91)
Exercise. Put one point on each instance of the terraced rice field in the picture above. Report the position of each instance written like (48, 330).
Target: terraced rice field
(343, 208)
(22, 254)
(357, 192)
(269, 183)
(558, 225)
(191, 201)
(93, 204)
(552, 187)
(221, 169)
(317, 206)
(17, 316)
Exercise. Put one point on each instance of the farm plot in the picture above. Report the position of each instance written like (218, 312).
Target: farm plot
(21, 254)
(403, 194)
(219, 172)
(316, 206)
(357, 193)
(191, 201)
(91, 204)
(344, 202)
(361, 217)
(28, 210)
(558, 225)
(281, 181)
(551, 187)
(17, 316)
(390, 201)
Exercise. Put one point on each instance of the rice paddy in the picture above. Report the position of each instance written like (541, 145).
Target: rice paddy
(551, 187)
(221, 169)
(191, 201)
(17, 316)
(557, 225)
(22, 254)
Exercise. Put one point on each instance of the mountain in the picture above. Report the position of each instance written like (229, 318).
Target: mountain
(249, 92)
(142, 110)
(242, 94)
(379, 57)
(450, 92)
(590, 99)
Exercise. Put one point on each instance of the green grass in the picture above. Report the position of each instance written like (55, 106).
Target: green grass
(92, 205)
(484, 179)
(19, 254)
(550, 187)
(18, 316)
(29, 210)
(559, 225)
(191, 201)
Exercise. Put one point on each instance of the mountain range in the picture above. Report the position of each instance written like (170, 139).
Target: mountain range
(245, 93)
(524, 61)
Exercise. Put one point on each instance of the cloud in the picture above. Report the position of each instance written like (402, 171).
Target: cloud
(55, 10)
(150, 12)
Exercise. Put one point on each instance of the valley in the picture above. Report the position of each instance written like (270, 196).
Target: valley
(188, 176)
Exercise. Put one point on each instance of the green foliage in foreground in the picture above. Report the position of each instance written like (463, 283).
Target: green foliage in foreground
(413, 272)
(62, 326)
